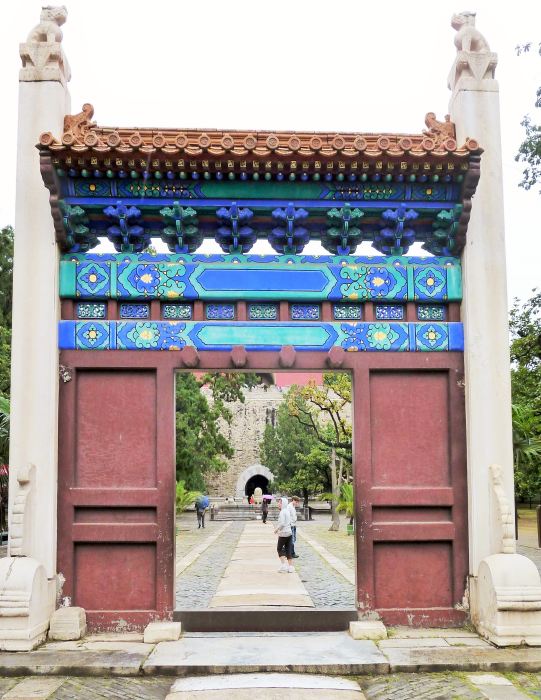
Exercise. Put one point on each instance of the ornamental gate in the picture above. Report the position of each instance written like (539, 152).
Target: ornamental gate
(393, 321)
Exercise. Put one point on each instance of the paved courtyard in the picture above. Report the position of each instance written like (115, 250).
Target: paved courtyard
(227, 551)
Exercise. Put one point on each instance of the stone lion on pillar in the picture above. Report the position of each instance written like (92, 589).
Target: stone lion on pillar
(48, 30)
(468, 38)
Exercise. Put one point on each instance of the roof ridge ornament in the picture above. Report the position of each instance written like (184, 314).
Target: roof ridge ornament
(42, 56)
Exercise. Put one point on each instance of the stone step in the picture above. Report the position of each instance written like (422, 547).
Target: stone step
(271, 686)
(255, 619)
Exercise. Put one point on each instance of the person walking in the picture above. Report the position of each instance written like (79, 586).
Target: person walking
(201, 506)
(292, 507)
(264, 510)
(283, 530)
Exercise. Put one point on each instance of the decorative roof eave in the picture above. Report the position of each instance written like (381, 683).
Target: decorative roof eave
(150, 149)
(82, 137)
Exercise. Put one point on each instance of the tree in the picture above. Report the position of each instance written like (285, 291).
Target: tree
(6, 296)
(529, 151)
(6, 275)
(291, 451)
(201, 446)
(525, 326)
(325, 410)
(4, 430)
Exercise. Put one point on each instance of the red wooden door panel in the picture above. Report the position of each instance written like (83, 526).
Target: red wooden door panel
(116, 482)
(411, 495)
(116, 492)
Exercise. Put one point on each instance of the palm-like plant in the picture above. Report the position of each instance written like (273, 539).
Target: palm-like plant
(4, 429)
(185, 498)
(346, 504)
(526, 443)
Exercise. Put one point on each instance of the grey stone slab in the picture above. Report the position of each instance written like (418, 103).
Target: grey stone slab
(321, 653)
(495, 692)
(114, 637)
(34, 689)
(71, 663)
(395, 643)
(468, 642)
(462, 659)
(269, 694)
(264, 680)
(427, 632)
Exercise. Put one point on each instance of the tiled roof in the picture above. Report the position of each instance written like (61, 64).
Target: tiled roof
(82, 136)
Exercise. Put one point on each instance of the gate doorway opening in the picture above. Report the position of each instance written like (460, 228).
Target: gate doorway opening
(256, 482)
(252, 442)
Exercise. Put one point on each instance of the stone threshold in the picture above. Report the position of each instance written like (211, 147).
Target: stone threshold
(329, 653)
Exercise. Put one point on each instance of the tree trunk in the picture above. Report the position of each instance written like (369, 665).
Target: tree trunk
(335, 479)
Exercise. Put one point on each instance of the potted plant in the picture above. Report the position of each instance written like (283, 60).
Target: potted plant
(346, 505)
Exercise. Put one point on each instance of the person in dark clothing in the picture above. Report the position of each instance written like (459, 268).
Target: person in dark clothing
(201, 506)
(264, 510)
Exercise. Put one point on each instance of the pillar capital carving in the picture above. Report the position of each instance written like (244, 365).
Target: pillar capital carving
(42, 56)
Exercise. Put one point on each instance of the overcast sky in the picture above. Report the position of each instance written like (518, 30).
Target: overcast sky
(287, 64)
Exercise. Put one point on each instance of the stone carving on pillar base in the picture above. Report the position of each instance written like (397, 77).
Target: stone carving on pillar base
(19, 529)
(25, 604)
(41, 54)
(506, 599)
(475, 63)
(507, 521)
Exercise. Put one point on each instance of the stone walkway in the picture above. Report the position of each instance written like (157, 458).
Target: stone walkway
(325, 570)
(252, 577)
(397, 686)
(197, 584)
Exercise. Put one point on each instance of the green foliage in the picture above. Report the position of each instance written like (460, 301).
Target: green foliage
(201, 447)
(525, 326)
(321, 407)
(5, 360)
(6, 275)
(346, 504)
(292, 453)
(4, 430)
(185, 498)
(529, 151)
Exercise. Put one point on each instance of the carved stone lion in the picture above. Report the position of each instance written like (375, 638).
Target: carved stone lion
(468, 38)
(48, 29)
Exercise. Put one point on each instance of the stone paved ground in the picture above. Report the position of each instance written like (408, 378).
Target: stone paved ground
(406, 686)
(326, 587)
(198, 583)
(398, 686)
(338, 543)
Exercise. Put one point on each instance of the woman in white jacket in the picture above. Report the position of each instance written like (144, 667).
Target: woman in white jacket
(285, 540)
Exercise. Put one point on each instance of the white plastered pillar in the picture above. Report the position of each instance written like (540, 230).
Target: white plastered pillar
(505, 591)
(29, 572)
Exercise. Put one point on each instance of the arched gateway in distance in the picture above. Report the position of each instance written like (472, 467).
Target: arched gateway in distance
(425, 338)
(255, 476)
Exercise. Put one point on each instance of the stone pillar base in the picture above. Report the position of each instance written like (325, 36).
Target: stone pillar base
(26, 604)
(506, 600)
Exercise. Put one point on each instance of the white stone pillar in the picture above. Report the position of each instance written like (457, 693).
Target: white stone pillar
(475, 110)
(505, 588)
(43, 102)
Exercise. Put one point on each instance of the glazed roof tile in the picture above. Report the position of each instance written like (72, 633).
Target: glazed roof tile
(82, 136)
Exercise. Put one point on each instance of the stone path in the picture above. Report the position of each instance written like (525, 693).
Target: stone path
(324, 566)
(285, 686)
(252, 577)
(198, 583)
(211, 560)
